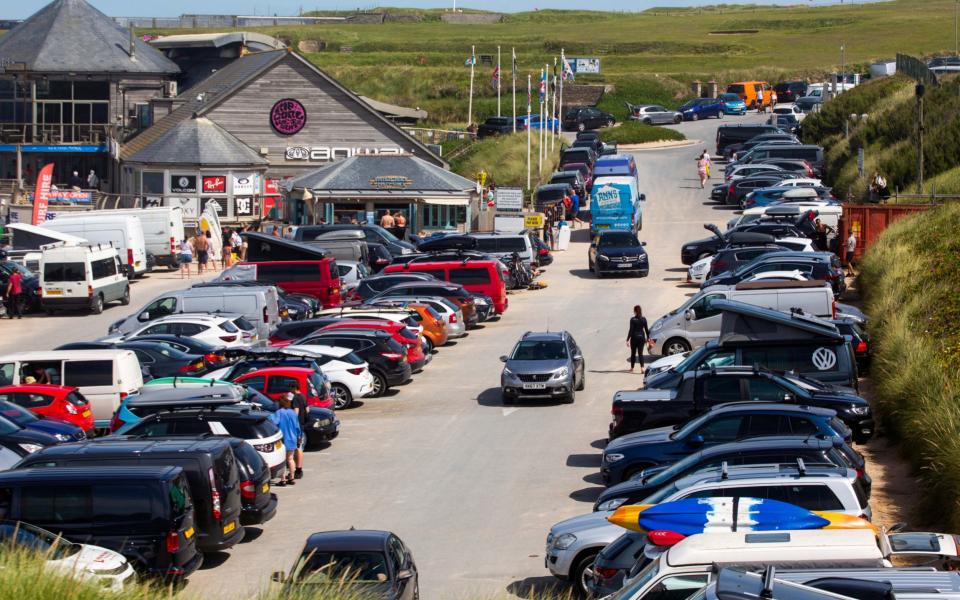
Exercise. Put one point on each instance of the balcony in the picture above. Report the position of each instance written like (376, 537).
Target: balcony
(57, 133)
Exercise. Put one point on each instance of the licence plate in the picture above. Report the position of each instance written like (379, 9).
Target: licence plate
(229, 527)
(188, 533)
(277, 445)
(86, 413)
(603, 227)
(54, 292)
(624, 265)
(266, 488)
(534, 386)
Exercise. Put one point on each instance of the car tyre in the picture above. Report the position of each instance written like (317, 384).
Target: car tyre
(97, 306)
(342, 398)
(571, 397)
(581, 126)
(720, 115)
(582, 572)
(506, 398)
(675, 346)
(380, 385)
(647, 122)
(695, 117)
(610, 122)
(583, 381)
(125, 299)
(429, 345)
(678, 118)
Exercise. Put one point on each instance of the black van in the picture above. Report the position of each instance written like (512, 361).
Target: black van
(209, 464)
(259, 504)
(737, 134)
(145, 513)
(811, 153)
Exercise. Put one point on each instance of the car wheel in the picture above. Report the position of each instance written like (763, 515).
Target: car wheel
(571, 397)
(720, 115)
(647, 122)
(583, 381)
(506, 398)
(429, 345)
(695, 117)
(583, 573)
(675, 346)
(596, 271)
(342, 398)
(610, 122)
(581, 126)
(97, 306)
(380, 385)
(677, 119)
(125, 299)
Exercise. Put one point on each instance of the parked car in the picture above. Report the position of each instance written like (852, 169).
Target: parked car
(695, 250)
(617, 252)
(372, 233)
(157, 359)
(54, 402)
(274, 382)
(495, 126)
(702, 108)
(258, 503)
(536, 122)
(213, 355)
(790, 91)
(386, 357)
(454, 292)
(376, 563)
(652, 114)
(82, 276)
(822, 266)
(209, 328)
(376, 284)
(732, 104)
(410, 340)
(577, 155)
(61, 430)
(349, 375)
(587, 117)
(543, 365)
(449, 312)
(26, 440)
(737, 134)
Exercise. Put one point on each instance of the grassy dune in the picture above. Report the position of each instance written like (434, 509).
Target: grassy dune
(504, 158)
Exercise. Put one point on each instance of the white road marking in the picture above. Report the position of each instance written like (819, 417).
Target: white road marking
(509, 411)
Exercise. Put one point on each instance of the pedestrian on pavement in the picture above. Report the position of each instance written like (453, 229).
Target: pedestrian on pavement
(299, 404)
(287, 422)
(387, 221)
(702, 165)
(706, 155)
(227, 257)
(75, 182)
(93, 182)
(575, 209)
(202, 248)
(14, 295)
(851, 250)
(400, 225)
(637, 337)
(185, 257)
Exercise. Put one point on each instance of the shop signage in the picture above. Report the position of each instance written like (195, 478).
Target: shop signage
(391, 182)
(272, 187)
(533, 221)
(244, 206)
(216, 184)
(288, 116)
(327, 153)
(183, 184)
(244, 184)
(508, 198)
(58, 196)
(218, 205)
(189, 206)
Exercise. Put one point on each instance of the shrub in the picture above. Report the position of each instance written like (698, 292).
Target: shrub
(635, 132)
(504, 158)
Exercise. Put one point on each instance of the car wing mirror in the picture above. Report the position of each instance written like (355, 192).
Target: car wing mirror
(503, 358)
(643, 197)
(695, 440)
(144, 316)
(690, 314)
(405, 574)
(278, 577)
(578, 357)
(643, 243)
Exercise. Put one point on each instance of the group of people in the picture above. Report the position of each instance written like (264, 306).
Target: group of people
(395, 223)
(198, 249)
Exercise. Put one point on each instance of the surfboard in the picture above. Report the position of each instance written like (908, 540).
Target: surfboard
(699, 515)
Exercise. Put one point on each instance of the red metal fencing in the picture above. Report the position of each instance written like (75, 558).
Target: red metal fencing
(868, 221)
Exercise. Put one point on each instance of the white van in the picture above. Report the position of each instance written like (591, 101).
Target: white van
(104, 377)
(258, 304)
(163, 229)
(696, 321)
(81, 276)
(124, 232)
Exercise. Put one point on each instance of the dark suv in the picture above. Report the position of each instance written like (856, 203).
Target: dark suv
(495, 126)
(737, 134)
(823, 266)
(371, 286)
(695, 250)
(587, 117)
(372, 233)
(386, 357)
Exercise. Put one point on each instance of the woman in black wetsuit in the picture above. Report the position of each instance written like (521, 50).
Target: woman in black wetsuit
(637, 337)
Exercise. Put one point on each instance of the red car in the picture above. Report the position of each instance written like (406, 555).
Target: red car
(59, 402)
(399, 331)
(274, 382)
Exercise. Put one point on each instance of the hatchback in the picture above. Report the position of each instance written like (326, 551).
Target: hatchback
(259, 504)
(732, 104)
(59, 402)
(702, 108)
(386, 357)
(403, 335)
(543, 365)
(274, 382)
(212, 329)
(63, 431)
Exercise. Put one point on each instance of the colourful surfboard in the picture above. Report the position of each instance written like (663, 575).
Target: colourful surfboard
(698, 515)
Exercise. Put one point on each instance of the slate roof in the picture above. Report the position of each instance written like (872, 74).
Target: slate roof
(198, 141)
(72, 36)
(357, 174)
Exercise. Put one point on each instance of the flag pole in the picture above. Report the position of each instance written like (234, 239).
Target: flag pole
(543, 81)
(513, 79)
(499, 77)
(553, 124)
(563, 75)
(473, 60)
(528, 130)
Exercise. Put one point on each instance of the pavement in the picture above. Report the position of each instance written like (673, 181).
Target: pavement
(470, 485)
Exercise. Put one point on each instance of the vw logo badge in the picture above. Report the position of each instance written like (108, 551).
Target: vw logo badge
(824, 359)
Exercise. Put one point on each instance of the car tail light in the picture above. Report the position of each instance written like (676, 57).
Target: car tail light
(211, 357)
(453, 318)
(396, 356)
(130, 256)
(833, 309)
(228, 338)
(543, 251)
(730, 190)
(248, 490)
(89, 291)
(71, 409)
(173, 245)
(861, 472)
(861, 347)
(214, 495)
(356, 371)
(617, 415)
(605, 572)
(662, 537)
(173, 542)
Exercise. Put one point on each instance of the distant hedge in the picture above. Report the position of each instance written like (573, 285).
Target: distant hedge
(635, 132)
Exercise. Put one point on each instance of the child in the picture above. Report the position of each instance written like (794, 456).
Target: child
(289, 424)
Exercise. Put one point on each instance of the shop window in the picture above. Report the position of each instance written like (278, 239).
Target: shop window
(152, 183)
(443, 217)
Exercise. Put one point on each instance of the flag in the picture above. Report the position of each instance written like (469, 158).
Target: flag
(513, 71)
(495, 80)
(529, 95)
(543, 84)
(567, 70)
(41, 195)
(471, 60)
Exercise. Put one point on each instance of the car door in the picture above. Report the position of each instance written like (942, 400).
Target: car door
(761, 389)
(400, 563)
(704, 322)
(578, 362)
(279, 385)
(719, 390)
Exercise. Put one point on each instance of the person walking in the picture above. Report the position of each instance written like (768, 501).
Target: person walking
(202, 248)
(243, 243)
(93, 182)
(14, 295)
(400, 225)
(703, 163)
(299, 405)
(288, 423)
(823, 230)
(637, 337)
(851, 250)
(575, 209)
(226, 258)
(185, 257)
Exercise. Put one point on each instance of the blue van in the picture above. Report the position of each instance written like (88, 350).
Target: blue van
(616, 204)
(615, 164)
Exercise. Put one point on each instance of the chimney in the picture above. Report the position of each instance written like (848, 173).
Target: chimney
(133, 47)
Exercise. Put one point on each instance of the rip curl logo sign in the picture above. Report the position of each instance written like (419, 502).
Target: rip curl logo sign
(288, 116)
(824, 359)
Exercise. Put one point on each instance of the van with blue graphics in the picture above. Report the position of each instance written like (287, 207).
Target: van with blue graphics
(616, 204)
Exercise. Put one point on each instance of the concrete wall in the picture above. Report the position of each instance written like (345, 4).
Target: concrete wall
(471, 18)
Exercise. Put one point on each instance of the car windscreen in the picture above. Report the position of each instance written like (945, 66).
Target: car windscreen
(7, 427)
(539, 350)
(618, 239)
(72, 271)
(729, 97)
(17, 414)
(23, 536)
(735, 89)
(325, 567)
(248, 429)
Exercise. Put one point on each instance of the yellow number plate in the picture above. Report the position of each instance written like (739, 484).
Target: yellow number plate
(277, 445)
(266, 488)
(53, 292)
(188, 533)
(229, 527)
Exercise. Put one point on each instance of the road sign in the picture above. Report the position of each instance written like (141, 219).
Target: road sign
(533, 221)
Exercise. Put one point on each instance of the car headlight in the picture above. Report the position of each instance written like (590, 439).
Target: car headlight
(61, 437)
(611, 504)
(508, 372)
(612, 457)
(603, 258)
(690, 247)
(642, 258)
(480, 301)
(860, 411)
(31, 448)
(563, 372)
(564, 541)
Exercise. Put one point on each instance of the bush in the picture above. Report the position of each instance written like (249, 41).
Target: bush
(635, 132)
(504, 158)
(909, 278)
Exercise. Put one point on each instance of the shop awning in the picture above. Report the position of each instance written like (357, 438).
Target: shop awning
(445, 201)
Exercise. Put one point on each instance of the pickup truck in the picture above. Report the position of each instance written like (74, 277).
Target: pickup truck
(699, 390)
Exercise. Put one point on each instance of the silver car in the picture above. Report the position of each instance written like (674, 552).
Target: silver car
(543, 365)
(653, 114)
(451, 313)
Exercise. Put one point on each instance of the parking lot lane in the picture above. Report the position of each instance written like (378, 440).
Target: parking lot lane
(470, 487)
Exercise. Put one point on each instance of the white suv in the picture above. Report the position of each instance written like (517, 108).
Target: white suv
(217, 330)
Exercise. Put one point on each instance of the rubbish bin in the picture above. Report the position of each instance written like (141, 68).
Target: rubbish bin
(563, 238)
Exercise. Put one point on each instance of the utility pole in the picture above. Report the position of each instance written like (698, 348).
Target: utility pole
(842, 66)
(919, 90)
(956, 29)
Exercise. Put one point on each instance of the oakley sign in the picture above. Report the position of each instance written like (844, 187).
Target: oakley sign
(328, 153)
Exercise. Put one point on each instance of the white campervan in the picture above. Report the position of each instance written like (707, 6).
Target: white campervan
(163, 229)
(124, 232)
(697, 321)
(104, 377)
(81, 276)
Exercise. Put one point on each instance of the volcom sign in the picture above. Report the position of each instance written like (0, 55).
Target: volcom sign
(607, 196)
(824, 359)
(328, 153)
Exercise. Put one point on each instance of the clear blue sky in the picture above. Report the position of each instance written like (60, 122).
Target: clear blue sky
(170, 8)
